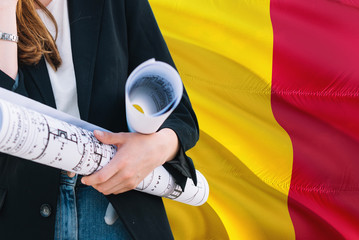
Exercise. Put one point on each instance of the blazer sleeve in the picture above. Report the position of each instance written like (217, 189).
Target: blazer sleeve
(145, 41)
(8, 83)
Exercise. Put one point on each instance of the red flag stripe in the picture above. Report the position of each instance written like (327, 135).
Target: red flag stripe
(315, 98)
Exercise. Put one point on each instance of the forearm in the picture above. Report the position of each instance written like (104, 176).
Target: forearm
(8, 49)
(170, 143)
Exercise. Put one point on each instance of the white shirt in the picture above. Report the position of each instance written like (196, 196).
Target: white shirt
(63, 81)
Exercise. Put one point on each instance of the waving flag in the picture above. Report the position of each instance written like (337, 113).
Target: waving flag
(275, 85)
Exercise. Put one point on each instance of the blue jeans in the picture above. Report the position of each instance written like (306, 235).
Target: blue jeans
(80, 214)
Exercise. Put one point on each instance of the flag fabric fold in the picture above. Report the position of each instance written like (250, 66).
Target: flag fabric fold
(315, 87)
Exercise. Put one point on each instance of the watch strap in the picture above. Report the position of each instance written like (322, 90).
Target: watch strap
(9, 37)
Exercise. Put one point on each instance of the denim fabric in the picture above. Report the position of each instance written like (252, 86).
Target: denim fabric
(80, 214)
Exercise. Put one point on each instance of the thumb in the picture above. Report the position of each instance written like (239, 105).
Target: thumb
(108, 137)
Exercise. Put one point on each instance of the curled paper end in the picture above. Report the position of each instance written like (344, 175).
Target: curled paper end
(205, 187)
(197, 195)
(161, 183)
(153, 91)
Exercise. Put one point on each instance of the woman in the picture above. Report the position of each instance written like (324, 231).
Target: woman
(98, 43)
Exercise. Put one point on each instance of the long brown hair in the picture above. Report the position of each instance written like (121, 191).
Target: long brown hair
(34, 38)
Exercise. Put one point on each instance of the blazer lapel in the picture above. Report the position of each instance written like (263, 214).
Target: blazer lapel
(85, 22)
(41, 89)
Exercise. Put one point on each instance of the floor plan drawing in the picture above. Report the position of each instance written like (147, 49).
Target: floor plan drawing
(43, 139)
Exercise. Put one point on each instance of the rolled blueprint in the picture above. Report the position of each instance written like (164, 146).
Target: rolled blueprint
(36, 132)
(34, 136)
(153, 91)
(193, 195)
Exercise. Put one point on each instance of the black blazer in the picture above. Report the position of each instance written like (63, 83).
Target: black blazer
(109, 39)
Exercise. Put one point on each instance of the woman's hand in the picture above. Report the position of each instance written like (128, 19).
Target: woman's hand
(137, 155)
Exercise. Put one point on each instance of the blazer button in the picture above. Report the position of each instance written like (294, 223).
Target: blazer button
(45, 210)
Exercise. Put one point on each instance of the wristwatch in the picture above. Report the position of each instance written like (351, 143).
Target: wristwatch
(9, 37)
